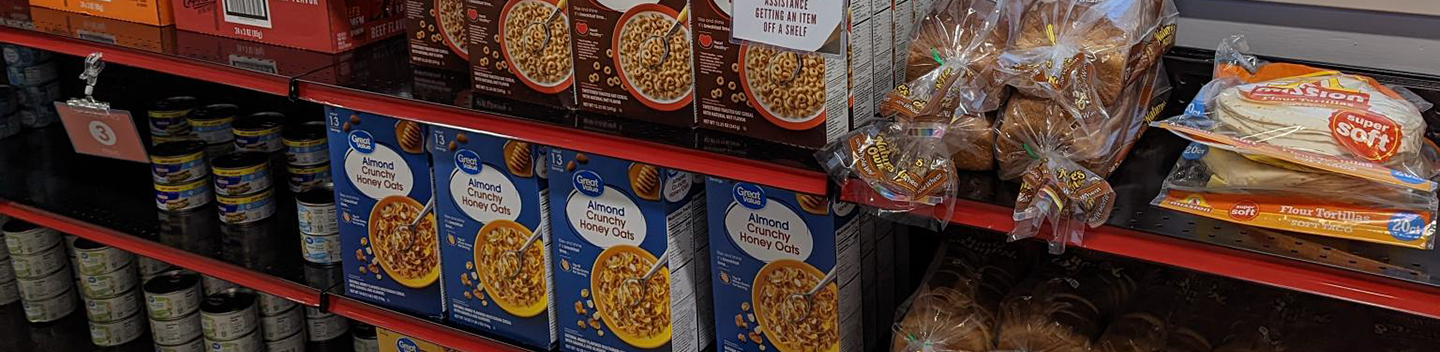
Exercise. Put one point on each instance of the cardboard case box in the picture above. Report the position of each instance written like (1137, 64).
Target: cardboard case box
(329, 26)
(151, 12)
(105, 30)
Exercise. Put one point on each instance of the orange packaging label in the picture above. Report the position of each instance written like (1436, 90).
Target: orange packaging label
(1371, 136)
(1321, 92)
(1385, 226)
(1357, 168)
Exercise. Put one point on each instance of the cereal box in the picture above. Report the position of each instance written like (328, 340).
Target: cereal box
(786, 270)
(492, 206)
(435, 30)
(382, 187)
(390, 341)
(628, 61)
(631, 265)
(522, 50)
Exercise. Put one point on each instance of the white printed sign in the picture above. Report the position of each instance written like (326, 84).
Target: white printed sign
(806, 25)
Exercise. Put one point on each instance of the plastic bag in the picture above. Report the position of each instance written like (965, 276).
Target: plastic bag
(905, 164)
(950, 64)
(955, 307)
(1302, 149)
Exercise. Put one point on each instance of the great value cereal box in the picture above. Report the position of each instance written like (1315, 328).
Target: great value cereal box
(492, 203)
(382, 191)
(630, 259)
(786, 269)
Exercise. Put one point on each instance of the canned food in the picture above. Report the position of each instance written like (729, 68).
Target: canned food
(30, 75)
(322, 276)
(113, 308)
(196, 345)
(316, 211)
(175, 331)
(281, 325)
(108, 284)
(49, 309)
(259, 132)
(9, 292)
(149, 267)
(326, 328)
(167, 116)
(320, 249)
(34, 289)
(182, 197)
(215, 285)
(228, 315)
(178, 162)
(272, 305)
(7, 271)
(313, 313)
(364, 339)
(22, 56)
(214, 150)
(172, 294)
(305, 178)
(158, 140)
(26, 238)
(241, 173)
(305, 144)
(247, 209)
(248, 343)
(293, 343)
(93, 257)
(115, 333)
(38, 264)
(211, 123)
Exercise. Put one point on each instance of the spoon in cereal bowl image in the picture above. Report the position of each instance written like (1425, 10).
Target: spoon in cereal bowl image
(408, 253)
(639, 316)
(515, 258)
(535, 41)
(802, 304)
(408, 231)
(797, 306)
(661, 42)
(633, 288)
(786, 87)
(653, 54)
(542, 28)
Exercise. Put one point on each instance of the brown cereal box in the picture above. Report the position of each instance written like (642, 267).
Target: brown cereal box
(615, 76)
(436, 32)
(520, 51)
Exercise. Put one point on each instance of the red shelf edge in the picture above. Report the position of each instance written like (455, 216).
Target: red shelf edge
(148, 60)
(1259, 268)
(417, 328)
(697, 161)
(238, 275)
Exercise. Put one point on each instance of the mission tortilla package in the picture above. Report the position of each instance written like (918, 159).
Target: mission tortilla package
(1303, 149)
(630, 261)
(382, 186)
(493, 207)
(787, 269)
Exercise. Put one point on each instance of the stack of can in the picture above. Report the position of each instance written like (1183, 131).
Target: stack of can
(212, 125)
(33, 75)
(230, 321)
(9, 290)
(181, 173)
(282, 323)
(108, 287)
(172, 300)
(42, 273)
(319, 227)
(320, 325)
(307, 157)
(243, 187)
(168, 122)
(363, 338)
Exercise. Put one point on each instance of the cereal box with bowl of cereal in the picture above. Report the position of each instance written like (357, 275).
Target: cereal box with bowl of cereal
(522, 50)
(630, 265)
(436, 33)
(384, 200)
(492, 208)
(632, 59)
(786, 269)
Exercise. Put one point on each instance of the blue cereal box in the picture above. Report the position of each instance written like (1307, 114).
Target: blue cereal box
(382, 187)
(493, 209)
(630, 260)
(786, 270)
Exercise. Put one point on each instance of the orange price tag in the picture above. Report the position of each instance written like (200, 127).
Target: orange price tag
(102, 132)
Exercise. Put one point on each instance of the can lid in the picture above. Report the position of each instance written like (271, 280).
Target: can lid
(362, 330)
(84, 243)
(178, 148)
(239, 160)
(304, 131)
(259, 121)
(175, 103)
(17, 225)
(318, 195)
(172, 281)
(215, 111)
(229, 300)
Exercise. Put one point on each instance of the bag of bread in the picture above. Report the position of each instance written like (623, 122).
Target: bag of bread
(905, 164)
(1303, 149)
(950, 63)
(955, 306)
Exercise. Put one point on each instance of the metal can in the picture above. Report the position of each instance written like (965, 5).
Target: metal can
(215, 285)
(279, 326)
(178, 162)
(293, 343)
(272, 305)
(182, 197)
(196, 345)
(167, 116)
(9, 292)
(320, 249)
(259, 132)
(228, 315)
(25, 238)
(316, 211)
(113, 308)
(175, 331)
(93, 257)
(34, 289)
(305, 144)
(211, 123)
(172, 294)
(364, 338)
(149, 267)
(108, 284)
(248, 343)
(241, 173)
(326, 328)
(49, 309)
(247, 209)
(38, 264)
(322, 276)
(305, 178)
(118, 332)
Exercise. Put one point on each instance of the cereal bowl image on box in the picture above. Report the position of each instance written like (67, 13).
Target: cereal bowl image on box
(785, 269)
(492, 210)
(653, 56)
(537, 47)
(630, 267)
(384, 201)
(786, 87)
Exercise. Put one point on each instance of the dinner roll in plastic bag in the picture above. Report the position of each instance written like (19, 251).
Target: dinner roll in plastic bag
(1304, 149)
